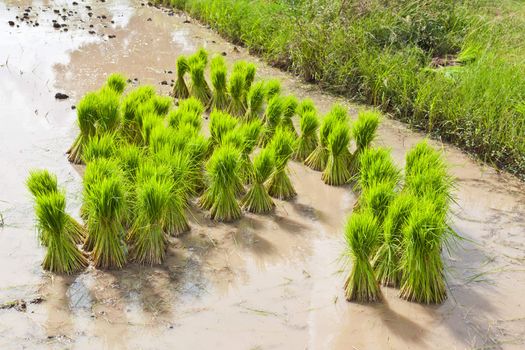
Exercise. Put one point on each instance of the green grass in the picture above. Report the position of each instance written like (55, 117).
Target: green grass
(451, 68)
(283, 146)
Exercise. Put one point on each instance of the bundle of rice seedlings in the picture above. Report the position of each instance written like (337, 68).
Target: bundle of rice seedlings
(202, 55)
(272, 119)
(306, 106)
(100, 146)
(129, 157)
(273, 89)
(87, 114)
(337, 171)
(283, 146)
(257, 199)
(147, 240)
(62, 255)
(180, 89)
(132, 108)
(386, 261)
(108, 110)
(116, 82)
(220, 124)
(318, 158)
(160, 137)
(219, 197)
(107, 208)
(377, 199)
(161, 105)
(150, 121)
(377, 166)
(364, 132)
(421, 150)
(237, 106)
(361, 234)
(219, 99)
(255, 101)
(421, 263)
(289, 106)
(308, 140)
(249, 134)
(41, 183)
(249, 76)
(199, 87)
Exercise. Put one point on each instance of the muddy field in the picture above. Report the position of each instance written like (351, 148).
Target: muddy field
(265, 282)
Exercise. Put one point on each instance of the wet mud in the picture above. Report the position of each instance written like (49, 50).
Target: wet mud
(264, 282)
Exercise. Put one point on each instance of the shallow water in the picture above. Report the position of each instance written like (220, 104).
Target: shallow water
(265, 282)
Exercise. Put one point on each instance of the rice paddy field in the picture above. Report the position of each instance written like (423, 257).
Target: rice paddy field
(162, 187)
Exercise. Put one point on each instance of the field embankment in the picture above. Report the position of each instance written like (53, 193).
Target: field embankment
(450, 68)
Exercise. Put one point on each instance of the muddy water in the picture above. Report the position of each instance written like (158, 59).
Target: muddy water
(265, 282)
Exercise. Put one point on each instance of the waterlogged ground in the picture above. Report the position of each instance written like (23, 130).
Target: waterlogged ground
(265, 282)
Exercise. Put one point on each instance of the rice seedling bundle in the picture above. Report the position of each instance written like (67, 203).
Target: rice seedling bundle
(150, 121)
(202, 55)
(249, 76)
(361, 235)
(421, 263)
(199, 87)
(257, 199)
(255, 101)
(308, 139)
(180, 89)
(116, 82)
(62, 255)
(377, 166)
(364, 132)
(387, 260)
(220, 124)
(132, 105)
(237, 106)
(161, 105)
(337, 171)
(273, 89)
(283, 146)
(272, 119)
(249, 134)
(100, 146)
(218, 72)
(106, 203)
(129, 158)
(219, 197)
(306, 106)
(160, 137)
(87, 115)
(190, 112)
(377, 199)
(147, 240)
(289, 106)
(108, 110)
(41, 183)
(318, 158)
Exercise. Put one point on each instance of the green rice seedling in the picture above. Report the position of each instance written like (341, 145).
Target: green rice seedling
(255, 101)
(249, 134)
(202, 55)
(220, 124)
(257, 199)
(185, 173)
(161, 105)
(190, 111)
(117, 82)
(306, 106)
(147, 240)
(283, 146)
(129, 158)
(387, 259)
(132, 110)
(87, 114)
(108, 110)
(318, 158)
(308, 139)
(377, 166)
(150, 121)
(199, 87)
(160, 137)
(237, 106)
(107, 209)
(289, 107)
(272, 119)
(337, 171)
(62, 255)
(377, 200)
(42, 182)
(421, 152)
(421, 263)
(218, 72)
(273, 88)
(249, 76)
(100, 146)
(361, 234)
(364, 131)
(219, 197)
(180, 89)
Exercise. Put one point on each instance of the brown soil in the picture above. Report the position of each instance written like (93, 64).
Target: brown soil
(265, 282)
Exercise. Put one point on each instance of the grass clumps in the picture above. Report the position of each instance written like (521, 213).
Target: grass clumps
(255, 101)
(282, 146)
(337, 170)
(62, 255)
(362, 234)
(117, 82)
(100, 146)
(257, 199)
(219, 99)
(272, 118)
(236, 86)
(199, 87)
(180, 89)
(364, 131)
(308, 139)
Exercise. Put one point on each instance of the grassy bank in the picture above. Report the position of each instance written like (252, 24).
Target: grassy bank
(452, 68)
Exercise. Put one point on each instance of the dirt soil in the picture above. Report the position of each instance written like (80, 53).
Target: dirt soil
(264, 282)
